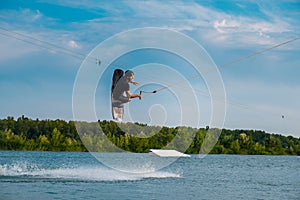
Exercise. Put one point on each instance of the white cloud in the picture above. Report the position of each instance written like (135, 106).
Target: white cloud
(212, 25)
(24, 17)
(156, 9)
(73, 44)
(38, 15)
(226, 26)
(32, 15)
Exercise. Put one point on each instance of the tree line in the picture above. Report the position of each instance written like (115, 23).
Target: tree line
(104, 136)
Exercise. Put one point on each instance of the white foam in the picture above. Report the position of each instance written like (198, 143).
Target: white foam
(81, 173)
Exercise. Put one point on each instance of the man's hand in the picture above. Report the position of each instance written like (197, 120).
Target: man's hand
(134, 83)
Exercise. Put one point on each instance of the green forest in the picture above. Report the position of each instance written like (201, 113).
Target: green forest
(59, 135)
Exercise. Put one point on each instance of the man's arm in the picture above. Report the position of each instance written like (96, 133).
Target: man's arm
(131, 96)
(134, 82)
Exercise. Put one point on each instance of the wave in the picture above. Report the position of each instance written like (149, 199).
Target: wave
(31, 172)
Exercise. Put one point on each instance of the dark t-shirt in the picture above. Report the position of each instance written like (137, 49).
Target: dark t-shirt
(121, 86)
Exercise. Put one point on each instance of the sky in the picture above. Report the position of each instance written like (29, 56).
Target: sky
(45, 44)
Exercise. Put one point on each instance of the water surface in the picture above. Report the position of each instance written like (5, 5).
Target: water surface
(65, 175)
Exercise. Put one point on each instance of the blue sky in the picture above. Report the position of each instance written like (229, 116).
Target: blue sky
(37, 80)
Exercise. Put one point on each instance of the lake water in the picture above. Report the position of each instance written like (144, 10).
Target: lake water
(65, 175)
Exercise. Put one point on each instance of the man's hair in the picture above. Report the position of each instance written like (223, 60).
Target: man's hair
(118, 74)
(128, 73)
